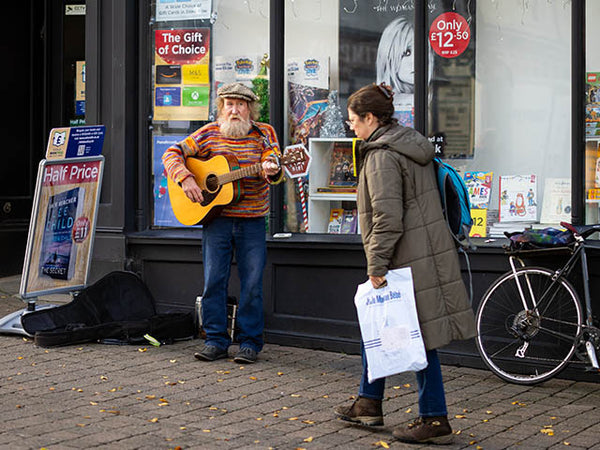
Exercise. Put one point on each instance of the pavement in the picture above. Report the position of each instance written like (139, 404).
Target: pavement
(144, 397)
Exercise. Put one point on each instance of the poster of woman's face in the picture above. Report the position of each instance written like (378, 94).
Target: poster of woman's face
(377, 45)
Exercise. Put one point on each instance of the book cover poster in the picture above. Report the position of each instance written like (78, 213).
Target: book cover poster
(518, 198)
(341, 166)
(58, 252)
(62, 226)
(556, 206)
(181, 74)
(479, 185)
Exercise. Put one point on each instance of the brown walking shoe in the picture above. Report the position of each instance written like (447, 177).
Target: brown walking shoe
(365, 411)
(425, 430)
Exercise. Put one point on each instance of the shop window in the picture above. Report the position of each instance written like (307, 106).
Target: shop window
(196, 46)
(498, 97)
(592, 115)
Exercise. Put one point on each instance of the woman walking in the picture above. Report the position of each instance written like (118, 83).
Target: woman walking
(402, 225)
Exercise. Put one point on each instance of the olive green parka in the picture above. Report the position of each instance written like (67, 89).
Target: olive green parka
(402, 225)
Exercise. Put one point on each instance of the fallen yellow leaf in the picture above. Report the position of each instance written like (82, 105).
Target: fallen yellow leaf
(153, 420)
(142, 350)
(150, 397)
(459, 416)
(308, 439)
(381, 444)
(408, 411)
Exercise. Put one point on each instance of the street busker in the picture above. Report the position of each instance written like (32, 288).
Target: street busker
(240, 227)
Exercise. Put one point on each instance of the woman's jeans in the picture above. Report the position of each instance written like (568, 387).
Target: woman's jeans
(432, 399)
(220, 239)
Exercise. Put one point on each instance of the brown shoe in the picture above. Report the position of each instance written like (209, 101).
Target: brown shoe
(426, 430)
(365, 411)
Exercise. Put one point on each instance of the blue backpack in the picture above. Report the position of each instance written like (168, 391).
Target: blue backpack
(455, 202)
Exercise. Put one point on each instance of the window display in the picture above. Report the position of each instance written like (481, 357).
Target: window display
(498, 99)
(194, 51)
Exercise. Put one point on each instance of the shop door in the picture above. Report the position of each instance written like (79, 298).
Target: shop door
(44, 66)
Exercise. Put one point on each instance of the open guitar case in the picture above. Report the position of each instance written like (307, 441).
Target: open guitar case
(117, 309)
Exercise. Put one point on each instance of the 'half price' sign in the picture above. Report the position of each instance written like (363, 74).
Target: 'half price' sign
(449, 35)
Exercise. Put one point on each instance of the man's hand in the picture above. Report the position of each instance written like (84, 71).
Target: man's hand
(378, 282)
(192, 190)
(270, 167)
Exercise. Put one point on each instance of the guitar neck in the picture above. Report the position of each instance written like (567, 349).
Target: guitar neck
(237, 174)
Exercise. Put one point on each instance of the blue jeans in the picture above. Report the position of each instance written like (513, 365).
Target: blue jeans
(220, 239)
(432, 399)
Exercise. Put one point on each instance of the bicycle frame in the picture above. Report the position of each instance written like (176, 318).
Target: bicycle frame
(578, 254)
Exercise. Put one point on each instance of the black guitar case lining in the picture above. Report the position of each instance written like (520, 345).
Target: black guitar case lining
(118, 308)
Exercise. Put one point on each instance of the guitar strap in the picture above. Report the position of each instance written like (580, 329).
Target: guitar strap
(266, 141)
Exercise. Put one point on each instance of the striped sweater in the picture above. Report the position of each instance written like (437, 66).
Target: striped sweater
(208, 141)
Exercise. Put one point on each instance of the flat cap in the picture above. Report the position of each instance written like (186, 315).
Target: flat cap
(237, 90)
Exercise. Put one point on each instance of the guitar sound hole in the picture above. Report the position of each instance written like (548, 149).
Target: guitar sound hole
(212, 183)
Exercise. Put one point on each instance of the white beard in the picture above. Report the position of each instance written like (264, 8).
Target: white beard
(234, 128)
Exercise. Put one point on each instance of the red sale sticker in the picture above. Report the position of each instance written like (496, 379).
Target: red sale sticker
(449, 35)
(81, 229)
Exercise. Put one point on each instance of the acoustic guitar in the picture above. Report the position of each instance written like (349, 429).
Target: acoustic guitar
(219, 178)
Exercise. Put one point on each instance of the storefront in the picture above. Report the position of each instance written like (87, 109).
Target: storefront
(498, 86)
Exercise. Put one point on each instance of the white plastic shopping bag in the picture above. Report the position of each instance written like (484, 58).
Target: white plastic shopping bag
(389, 326)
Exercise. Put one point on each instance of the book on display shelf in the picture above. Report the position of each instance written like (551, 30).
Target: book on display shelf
(349, 221)
(556, 205)
(479, 185)
(341, 166)
(518, 198)
(336, 216)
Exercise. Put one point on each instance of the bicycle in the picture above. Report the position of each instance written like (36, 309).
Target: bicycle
(530, 321)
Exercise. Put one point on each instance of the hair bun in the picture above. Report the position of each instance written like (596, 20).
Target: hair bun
(386, 90)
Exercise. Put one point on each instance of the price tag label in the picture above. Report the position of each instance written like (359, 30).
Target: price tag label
(449, 35)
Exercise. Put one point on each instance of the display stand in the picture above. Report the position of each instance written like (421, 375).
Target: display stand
(63, 219)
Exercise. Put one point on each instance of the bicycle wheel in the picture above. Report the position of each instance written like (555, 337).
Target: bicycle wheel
(528, 345)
